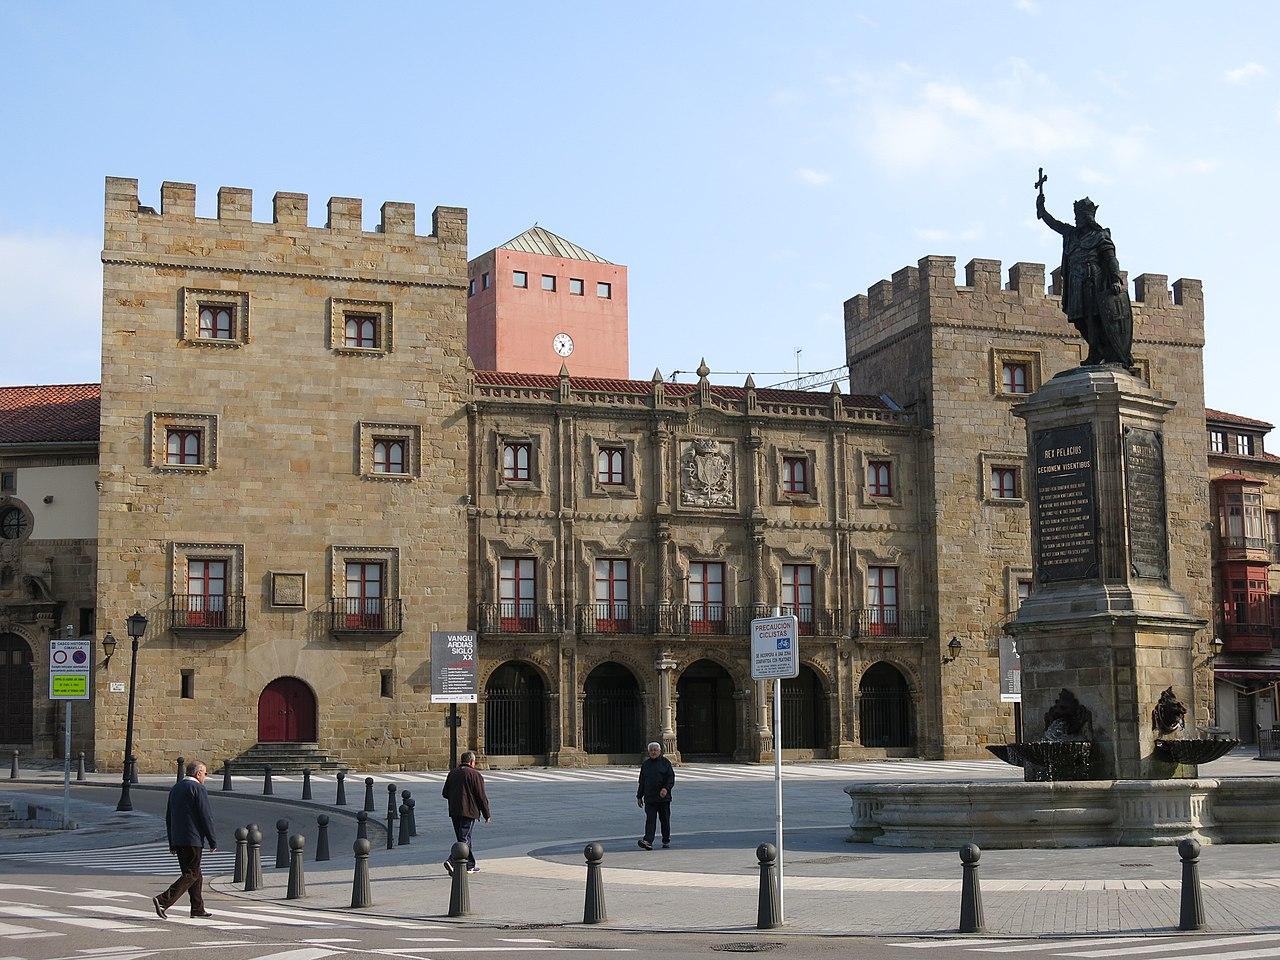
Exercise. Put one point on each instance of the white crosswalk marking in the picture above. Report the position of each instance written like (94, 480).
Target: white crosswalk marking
(1058, 945)
(305, 953)
(151, 859)
(930, 944)
(1167, 947)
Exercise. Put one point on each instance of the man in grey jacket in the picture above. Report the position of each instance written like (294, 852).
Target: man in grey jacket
(189, 823)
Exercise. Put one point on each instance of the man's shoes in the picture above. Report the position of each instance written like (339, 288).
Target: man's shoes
(644, 844)
(202, 915)
(665, 844)
(160, 909)
(448, 867)
(473, 869)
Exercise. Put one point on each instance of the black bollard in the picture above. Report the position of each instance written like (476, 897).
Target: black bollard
(459, 895)
(306, 783)
(242, 855)
(970, 891)
(342, 789)
(1191, 911)
(282, 843)
(404, 811)
(391, 801)
(368, 795)
(362, 826)
(266, 782)
(182, 764)
(80, 767)
(13, 769)
(413, 818)
(391, 832)
(133, 769)
(403, 839)
(297, 882)
(593, 910)
(767, 907)
(322, 842)
(226, 776)
(253, 868)
(361, 896)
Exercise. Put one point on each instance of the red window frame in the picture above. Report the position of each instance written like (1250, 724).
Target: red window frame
(183, 447)
(206, 592)
(516, 461)
(706, 597)
(1015, 375)
(217, 321)
(1004, 483)
(361, 330)
(795, 474)
(612, 595)
(882, 601)
(389, 455)
(365, 581)
(880, 478)
(797, 594)
(610, 466)
(517, 606)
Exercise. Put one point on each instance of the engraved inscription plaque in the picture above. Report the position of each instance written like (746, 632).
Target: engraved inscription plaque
(1065, 515)
(1144, 496)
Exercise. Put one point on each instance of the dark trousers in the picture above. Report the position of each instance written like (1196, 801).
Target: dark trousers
(462, 831)
(191, 882)
(655, 810)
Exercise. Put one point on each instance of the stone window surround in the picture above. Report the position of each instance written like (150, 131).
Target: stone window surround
(810, 457)
(629, 488)
(989, 461)
(865, 499)
(271, 599)
(687, 555)
(341, 554)
(192, 299)
(339, 307)
(776, 557)
(1143, 366)
(162, 422)
(541, 552)
(536, 441)
(593, 550)
(370, 432)
(1000, 356)
(865, 559)
(1011, 577)
(180, 553)
(9, 502)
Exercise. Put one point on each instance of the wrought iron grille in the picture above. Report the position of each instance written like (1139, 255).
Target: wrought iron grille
(199, 612)
(518, 616)
(613, 719)
(364, 615)
(872, 622)
(804, 716)
(886, 717)
(515, 721)
(617, 617)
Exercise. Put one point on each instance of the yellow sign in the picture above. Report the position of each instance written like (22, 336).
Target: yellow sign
(73, 686)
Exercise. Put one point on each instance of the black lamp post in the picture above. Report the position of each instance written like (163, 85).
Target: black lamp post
(108, 648)
(954, 648)
(137, 625)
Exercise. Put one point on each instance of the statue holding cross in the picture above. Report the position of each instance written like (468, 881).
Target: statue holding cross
(1094, 295)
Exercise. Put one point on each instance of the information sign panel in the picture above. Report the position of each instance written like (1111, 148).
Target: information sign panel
(453, 666)
(1065, 516)
(1010, 671)
(775, 650)
(69, 669)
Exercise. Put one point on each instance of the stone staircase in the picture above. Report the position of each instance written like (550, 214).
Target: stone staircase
(286, 758)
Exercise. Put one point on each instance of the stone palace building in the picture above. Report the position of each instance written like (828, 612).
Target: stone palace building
(301, 474)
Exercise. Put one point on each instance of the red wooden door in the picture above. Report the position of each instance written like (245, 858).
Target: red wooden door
(286, 712)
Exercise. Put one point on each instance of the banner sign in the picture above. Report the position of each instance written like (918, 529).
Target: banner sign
(453, 667)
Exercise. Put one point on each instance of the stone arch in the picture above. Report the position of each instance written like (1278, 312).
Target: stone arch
(521, 655)
(613, 710)
(707, 708)
(516, 708)
(887, 707)
(288, 711)
(806, 710)
(17, 688)
(738, 672)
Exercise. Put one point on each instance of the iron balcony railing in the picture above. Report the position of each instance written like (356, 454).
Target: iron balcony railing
(618, 617)
(518, 616)
(712, 619)
(198, 613)
(871, 623)
(367, 616)
(1243, 543)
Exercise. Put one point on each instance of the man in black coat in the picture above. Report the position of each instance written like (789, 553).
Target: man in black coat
(468, 802)
(189, 823)
(657, 777)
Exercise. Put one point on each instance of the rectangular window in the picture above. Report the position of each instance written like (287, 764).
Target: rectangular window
(364, 601)
(1273, 526)
(361, 330)
(613, 596)
(1015, 377)
(386, 684)
(609, 466)
(879, 478)
(87, 621)
(484, 280)
(575, 287)
(882, 599)
(797, 594)
(188, 684)
(1004, 483)
(9, 481)
(389, 455)
(206, 593)
(515, 461)
(1218, 441)
(706, 597)
(182, 447)
(471, 287)
(217, 321)
(1244, 445)
(519, 278)
(795, 475)
(604, 290)
(548, 283)
(516, 608)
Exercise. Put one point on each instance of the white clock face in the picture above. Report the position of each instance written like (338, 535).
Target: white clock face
(562, 344)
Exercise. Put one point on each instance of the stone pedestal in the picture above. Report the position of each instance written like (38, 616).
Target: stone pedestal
(1102, 620)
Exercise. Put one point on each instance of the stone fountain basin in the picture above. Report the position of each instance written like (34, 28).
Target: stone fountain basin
(1004, 815)
(1195, 751)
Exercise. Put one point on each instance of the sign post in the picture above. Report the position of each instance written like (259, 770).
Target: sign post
(775, 654)
(453, 677)
(68, 681)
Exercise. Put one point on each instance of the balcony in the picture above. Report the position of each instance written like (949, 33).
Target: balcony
(518, 616)
(196, 615)
(707, 619)
(595, 619)
(889, 623)
(369, 617)
(1239, 637)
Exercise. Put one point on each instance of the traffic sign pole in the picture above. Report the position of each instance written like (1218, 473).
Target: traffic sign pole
(775, 654)
(777, 783)
(66, 770)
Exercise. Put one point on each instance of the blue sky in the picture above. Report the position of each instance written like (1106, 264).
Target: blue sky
(753, 164)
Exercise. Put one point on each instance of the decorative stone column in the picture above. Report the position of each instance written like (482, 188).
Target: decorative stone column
(666, 705)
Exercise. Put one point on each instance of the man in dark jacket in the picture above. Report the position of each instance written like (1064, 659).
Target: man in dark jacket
(189, 823)
(464, 789)
(657, 777)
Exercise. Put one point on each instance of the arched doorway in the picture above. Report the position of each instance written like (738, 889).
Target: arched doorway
(515, 711)
(705, 725)
(612, 711)
(16, 703)
(886, 713)
(804, 712)
(287, 712)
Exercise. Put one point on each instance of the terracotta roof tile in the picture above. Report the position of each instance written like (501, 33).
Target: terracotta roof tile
(1221, 416)
(56, 413)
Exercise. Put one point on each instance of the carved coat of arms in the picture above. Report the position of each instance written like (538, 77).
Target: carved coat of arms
(706, 474)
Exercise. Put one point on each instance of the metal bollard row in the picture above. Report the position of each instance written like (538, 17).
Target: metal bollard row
(361, 895)
(459, 895)
(970, 891)
(297, 888)
(253, 867)
(368, 795)
(322, 842)
(767, 909)
(282, 843)
(242, 855)
(593, 910)
(341, 799)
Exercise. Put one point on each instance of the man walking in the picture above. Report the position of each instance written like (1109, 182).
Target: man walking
(464, 789)
(189, 824)
(657, 777)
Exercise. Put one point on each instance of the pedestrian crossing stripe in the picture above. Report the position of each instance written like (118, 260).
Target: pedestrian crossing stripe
(151, 859)
(1257, 946)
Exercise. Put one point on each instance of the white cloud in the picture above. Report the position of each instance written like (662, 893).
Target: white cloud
(1245, 72)
(51, 311)
(814, 178)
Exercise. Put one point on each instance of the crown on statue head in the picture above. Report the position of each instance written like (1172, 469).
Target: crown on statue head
(1086, 206)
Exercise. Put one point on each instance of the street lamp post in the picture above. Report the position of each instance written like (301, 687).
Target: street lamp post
(137, 625)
